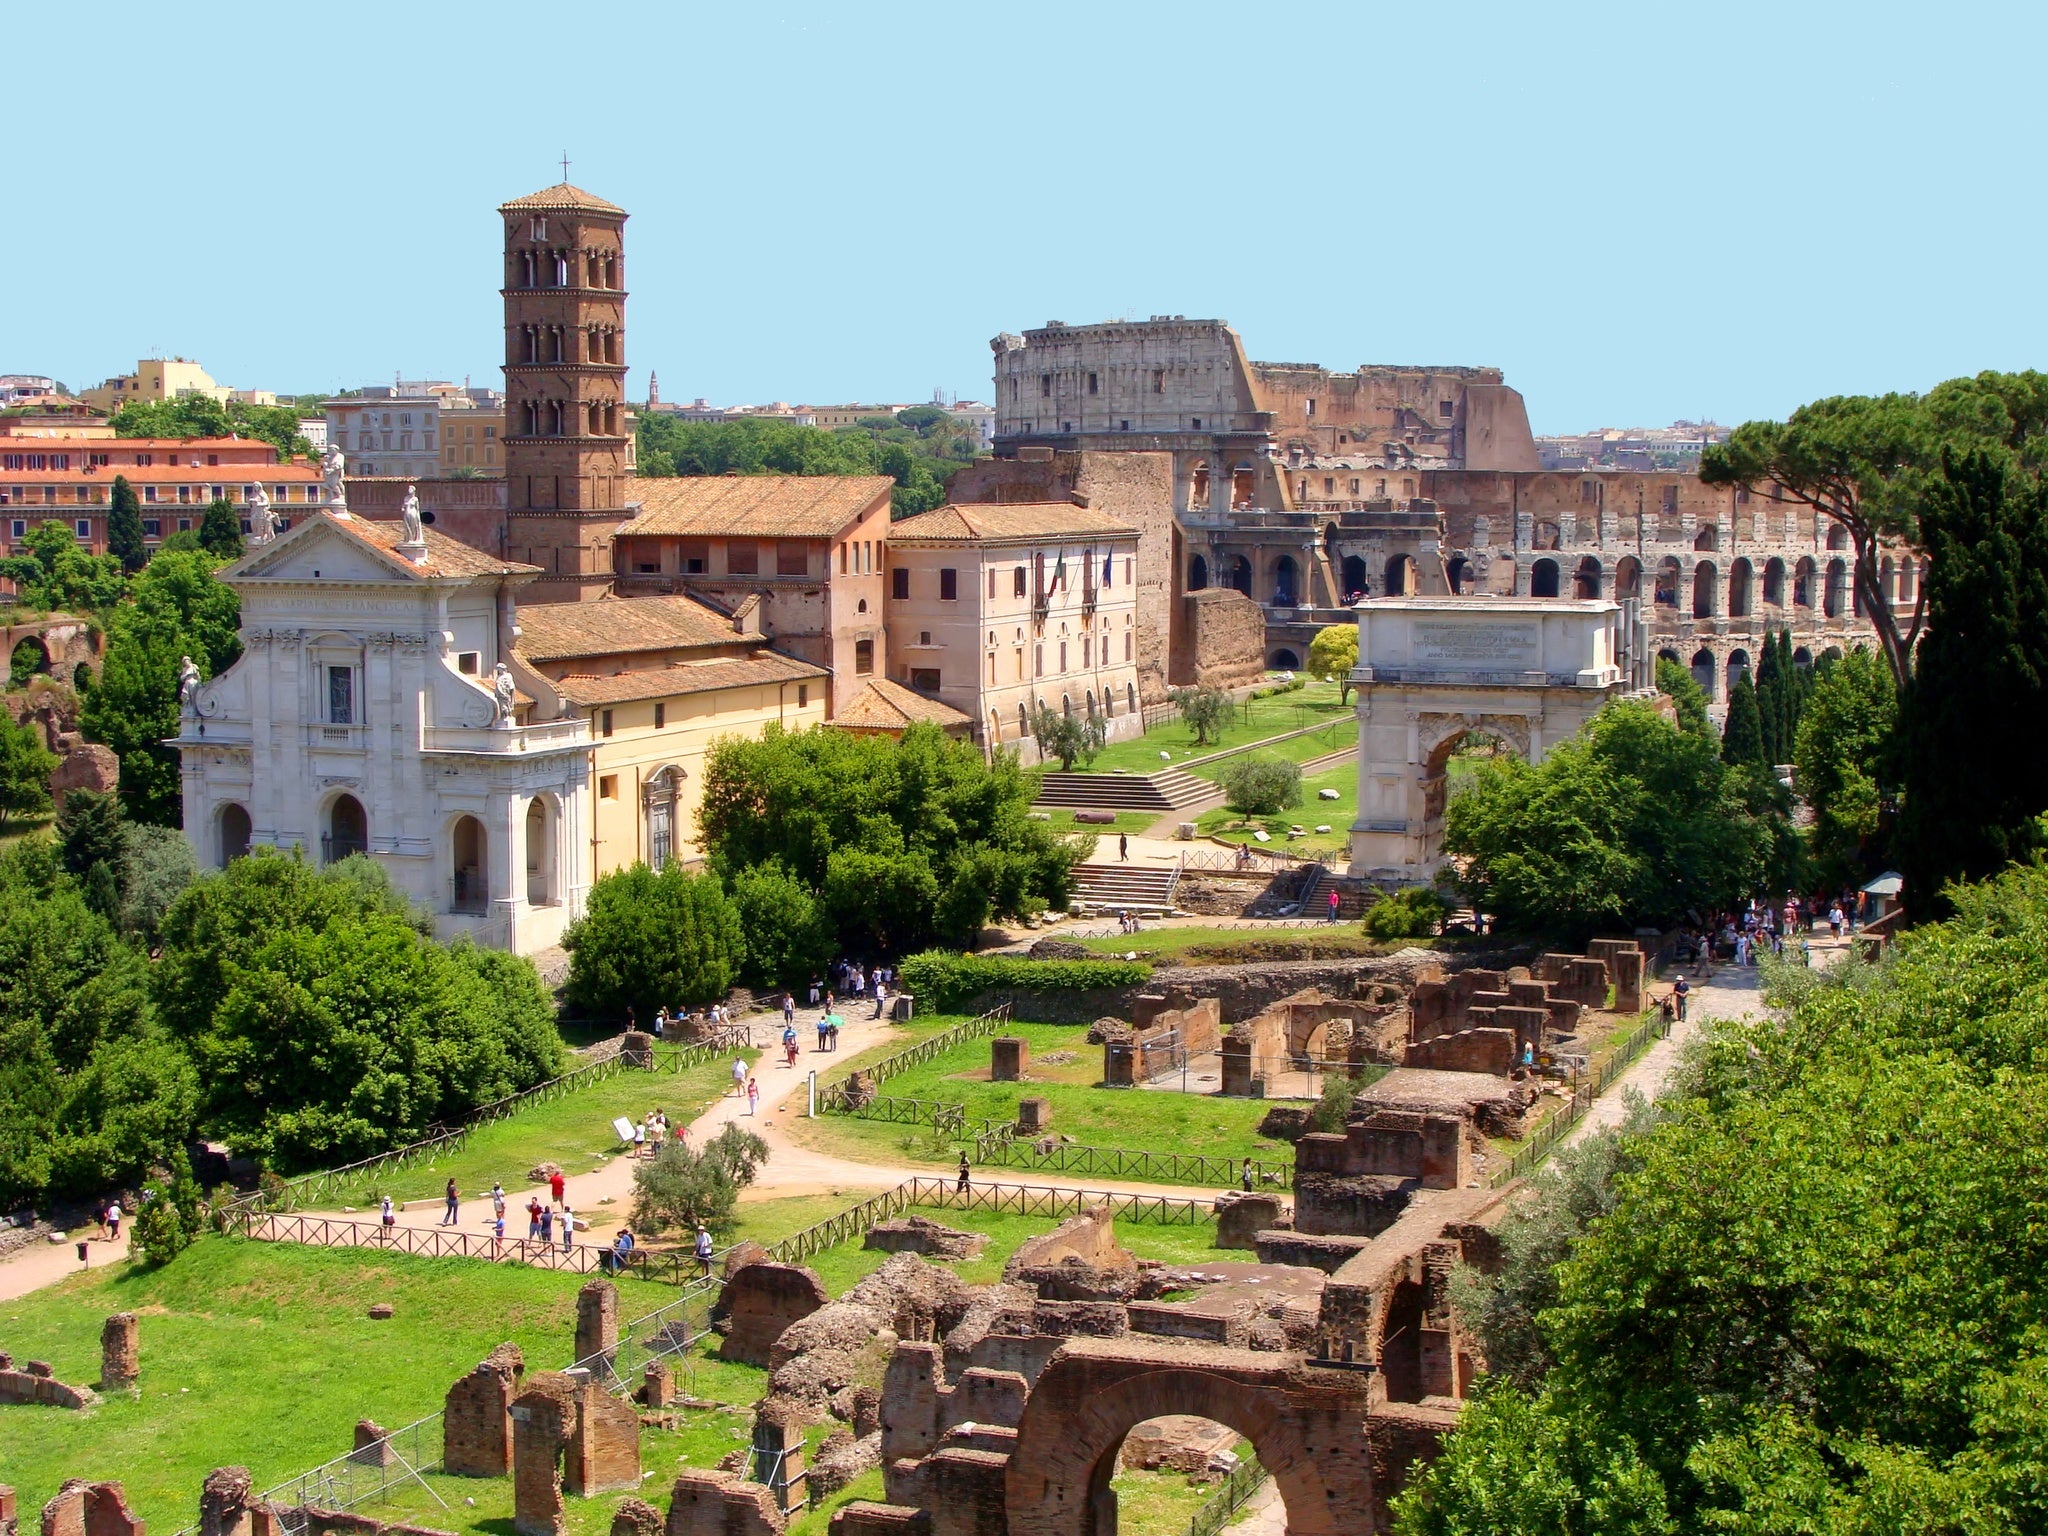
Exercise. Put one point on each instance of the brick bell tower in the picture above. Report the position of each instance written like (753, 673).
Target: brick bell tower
(566, 451)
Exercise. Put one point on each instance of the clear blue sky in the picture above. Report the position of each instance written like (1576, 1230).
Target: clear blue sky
(1639, 211)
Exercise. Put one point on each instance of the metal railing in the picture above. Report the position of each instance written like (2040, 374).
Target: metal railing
(1235, 1493)
(1012, 1151)
(1016, 1199)
(610, 1060)
(833, 1096)
(1532, 1153)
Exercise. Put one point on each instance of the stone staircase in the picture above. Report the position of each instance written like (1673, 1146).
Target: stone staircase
(1145, 889)
(1165, 791)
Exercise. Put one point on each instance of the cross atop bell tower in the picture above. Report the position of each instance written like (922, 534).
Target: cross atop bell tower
(566, 460)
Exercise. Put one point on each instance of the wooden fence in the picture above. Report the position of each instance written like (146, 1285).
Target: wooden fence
(1531, 1155)
(833, 1096)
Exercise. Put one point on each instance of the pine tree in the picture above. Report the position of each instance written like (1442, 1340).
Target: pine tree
(220, 531)
(1742, 738)
(124, 527)
(1967, 810)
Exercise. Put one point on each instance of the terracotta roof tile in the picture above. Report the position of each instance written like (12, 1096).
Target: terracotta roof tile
(888, 706)
(764, 666)
(562, 196)
(1002, 520)
(445, 556)
(761, 506)
(616, 625)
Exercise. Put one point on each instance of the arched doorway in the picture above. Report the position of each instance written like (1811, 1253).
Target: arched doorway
(1628, 578)
(348, 830)
(1354, 578)
(1739, 578)
(469, 890)
(1704, 672)
(1666, 595)
(1285, 660)
(1285, 582)
(1706, 585)
(1738, 667)
(1400, 577)
(1459, 574)
(1543, 579)
(1586, 579)
(1774, 583)
(29, 657)
(1198, 573)
(1198, 486)
(1837, 589)
(540, 853)
(233, 834)
(1803, 659)
(1241, 575)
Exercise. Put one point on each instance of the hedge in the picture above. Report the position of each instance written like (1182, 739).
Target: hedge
(941, 981)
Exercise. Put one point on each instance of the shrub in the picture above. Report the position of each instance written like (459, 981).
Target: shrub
(1258, 785)
(943, 981)
(1416, 913)
(647, 940)
(681, 1189)
(1340, 1089)
(1067, 736)
(1202, 710)
(170, 1219)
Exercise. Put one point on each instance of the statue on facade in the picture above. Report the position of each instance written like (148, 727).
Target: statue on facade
(262, 525)
(415, 530)
(502, 692)
(188, 683)
(331, 485)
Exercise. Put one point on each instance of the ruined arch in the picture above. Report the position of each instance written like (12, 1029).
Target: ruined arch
(1706, 590)
(1666, 592)
(1740, 580)
(1838, 537)
(29, 657)
(1198, 573)
(1628, 578)
(1286, 582)
(1543, 579)
(1241, 574)
(1285, 660)
(1705, 673)
(1707, 540)
(1458, 572)
(1354, 576)
(1400, 576)
(1835, 597)
(1738, 667)
(1307, 1429)
(1587, 579)
(1802, 583)
(1774, 583)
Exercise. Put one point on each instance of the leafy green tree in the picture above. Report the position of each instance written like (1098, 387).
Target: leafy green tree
(124, 527)
(1333, 1104)
(1415, 913)
(25, 769)
(157, 864)
(1069, 737)
(29, 659)
(170, 1220)
(679, 1190)
(1742, 738)
(1332, 655)
(90, 846)
(56, 574)
(1964, 813)
(1685, 693)
(1631, 821)
(647, 940)
(788, 938)
(220, 530)
(1259, 784)
(905, 843)
(920, 457)
(198, 416)
(1842, 764)
(1203, 711)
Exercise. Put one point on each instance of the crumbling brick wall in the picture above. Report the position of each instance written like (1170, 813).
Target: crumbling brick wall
(476, 1418)
(759, 1302)
(1220, 641)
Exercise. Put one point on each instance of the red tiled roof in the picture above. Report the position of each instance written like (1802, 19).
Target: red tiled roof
(618, 626)
(755, 506)
(564, 197)
(445, 556)
(889, 706)
(763, 666)
(1004, 520)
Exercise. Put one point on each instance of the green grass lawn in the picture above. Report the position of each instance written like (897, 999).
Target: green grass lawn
(1313, 811)
(1134, 823)
(1314, 705)
(1136, 1119)
(1338, 736)
(574, 1131)
(1168, 945)
(1162, 1503)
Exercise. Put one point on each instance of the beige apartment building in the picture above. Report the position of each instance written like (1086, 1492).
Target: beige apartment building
(997, 607)
(470, 441)
(661, 680)
(157, 378)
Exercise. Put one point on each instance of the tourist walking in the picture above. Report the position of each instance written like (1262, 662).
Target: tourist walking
(753, 1096)
(1123, 848)
(1681, 989)
(547, 1225)
(704, 1249)
(390, 1215)
(1835, 921)
(739, 1075)
(533, 1210)
(497, 1198)
(789, 1005)
(821, 1030)
(556, 1185)
(961, 1187)
(113, 1220)
(498, 1236)
(568, 1227)
(454, 1205)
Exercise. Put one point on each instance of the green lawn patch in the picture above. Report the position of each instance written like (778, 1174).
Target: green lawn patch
(1261, 719)
(1170, 945)
(574, 1131)
(1227, 826)
(1162, 1503)
(1138, 1119)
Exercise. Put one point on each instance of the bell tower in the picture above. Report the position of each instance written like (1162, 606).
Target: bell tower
(566, 453)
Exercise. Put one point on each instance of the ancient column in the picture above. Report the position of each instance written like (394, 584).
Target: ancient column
(120, 1359)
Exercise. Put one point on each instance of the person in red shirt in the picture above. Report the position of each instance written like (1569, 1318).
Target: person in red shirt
(555, 1186)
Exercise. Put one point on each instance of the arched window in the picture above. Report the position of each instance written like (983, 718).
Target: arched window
(1198, 574)
(1628, 578)
(1131, 698)
(1774, 583)
(1704, 672)
(468, 890)
(1355, 580)
(1738, 666)
(348, 830)
(1586, 579)
(1837, 589)
(1458, 573)
(1399, 580)
(540, 853)
(234, 833)
(1543, 579)
(1738, 590)
(1665, 594)
(1023, 722)
(1802, 584)
(1284, 581)
(1241, 575)
(1706, 584)
(1838, 536)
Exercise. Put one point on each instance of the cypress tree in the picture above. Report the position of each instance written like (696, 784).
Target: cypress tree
(220, 531)
(1966, 812)
(1770, 702)
(1742, 738)
(124, 527)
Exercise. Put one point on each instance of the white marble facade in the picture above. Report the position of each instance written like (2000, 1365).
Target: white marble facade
(361, 717)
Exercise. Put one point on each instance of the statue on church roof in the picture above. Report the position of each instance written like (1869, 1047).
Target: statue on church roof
(335, 492)
(502, 690)
(415, 532)
(262, 525)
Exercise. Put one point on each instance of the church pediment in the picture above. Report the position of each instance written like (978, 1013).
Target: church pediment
(318, 550)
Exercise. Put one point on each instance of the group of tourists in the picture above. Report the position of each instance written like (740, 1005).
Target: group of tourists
(1763, 926)
(652, 1130)
(685, 1023)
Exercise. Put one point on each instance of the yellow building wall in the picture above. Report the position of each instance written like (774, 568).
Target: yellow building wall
(637, 750)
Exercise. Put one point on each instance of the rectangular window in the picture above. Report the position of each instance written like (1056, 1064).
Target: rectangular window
(469, 663)
(604, 723)
(949, 585)
(84, 527)
(693, 558)
(152, 528)
(991, 582)
(341, 696)
(842, 557)
(149, 493)
(1038, 661)
(1017, 588)
(145, 460)
(21, 527)
(184, 525)
(1158, 381)
(924, 679)
(803, 695)
(1443, 408)
(1091, 384)
(1127, 645)
(1045, 386)
(863, 657)
(660, 716)
(899, 583)
(742, 557)
(792, 558)
(608, 787)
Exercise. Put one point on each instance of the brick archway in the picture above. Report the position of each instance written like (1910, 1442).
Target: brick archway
(1307, 1425)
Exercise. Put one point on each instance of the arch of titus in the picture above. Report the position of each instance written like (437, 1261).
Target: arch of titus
(1530, 671)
